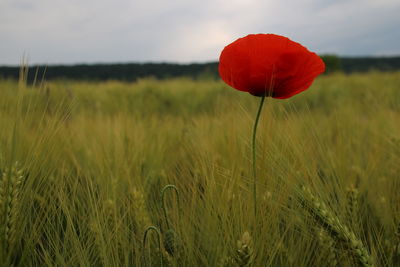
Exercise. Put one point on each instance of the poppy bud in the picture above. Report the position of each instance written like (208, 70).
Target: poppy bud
(171, 242)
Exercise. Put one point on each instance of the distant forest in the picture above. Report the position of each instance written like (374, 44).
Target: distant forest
(134, 71)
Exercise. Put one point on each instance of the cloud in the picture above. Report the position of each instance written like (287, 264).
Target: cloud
(71, 31)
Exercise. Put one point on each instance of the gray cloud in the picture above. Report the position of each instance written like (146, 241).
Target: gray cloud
(73, 31)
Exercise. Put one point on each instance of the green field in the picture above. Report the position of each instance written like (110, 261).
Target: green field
(83, 165)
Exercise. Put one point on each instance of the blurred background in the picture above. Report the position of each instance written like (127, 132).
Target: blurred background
(70, 32)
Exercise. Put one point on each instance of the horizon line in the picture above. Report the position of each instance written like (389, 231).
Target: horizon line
(166, 62)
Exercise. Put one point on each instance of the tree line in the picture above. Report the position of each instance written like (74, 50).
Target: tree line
(134, 71)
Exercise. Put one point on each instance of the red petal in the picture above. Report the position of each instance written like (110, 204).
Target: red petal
(268, 62)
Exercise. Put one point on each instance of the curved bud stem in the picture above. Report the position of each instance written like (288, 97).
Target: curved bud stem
(170, 186)
(155, 229)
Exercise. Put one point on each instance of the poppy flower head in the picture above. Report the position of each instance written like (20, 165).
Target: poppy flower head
(269, 64)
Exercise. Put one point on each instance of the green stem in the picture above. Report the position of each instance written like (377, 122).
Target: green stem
(155, 229)
(254, 154)
(170, 186)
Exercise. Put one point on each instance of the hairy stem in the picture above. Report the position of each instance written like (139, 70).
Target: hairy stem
(254, 154)
(155, 229)
(170, 186)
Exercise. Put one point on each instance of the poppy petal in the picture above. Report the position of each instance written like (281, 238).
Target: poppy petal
(269, 64)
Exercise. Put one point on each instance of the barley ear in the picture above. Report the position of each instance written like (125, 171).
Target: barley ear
(10, 187)
(334, 227)
(395, 248)
(14, 203)
(3, 214)
(327, 242)
(352, 195)
(244, 250)
(141, 214)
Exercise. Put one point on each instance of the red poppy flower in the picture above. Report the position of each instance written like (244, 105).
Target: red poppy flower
(269, 64)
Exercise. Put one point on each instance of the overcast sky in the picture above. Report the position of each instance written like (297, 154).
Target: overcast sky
(95, 31)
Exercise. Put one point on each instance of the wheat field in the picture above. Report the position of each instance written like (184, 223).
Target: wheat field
(83, 166)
